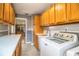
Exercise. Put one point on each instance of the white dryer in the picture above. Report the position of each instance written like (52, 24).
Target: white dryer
(58, 44)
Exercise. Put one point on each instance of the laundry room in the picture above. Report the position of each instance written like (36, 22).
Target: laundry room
(39, 29)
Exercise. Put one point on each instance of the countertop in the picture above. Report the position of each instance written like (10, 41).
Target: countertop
(8, 44)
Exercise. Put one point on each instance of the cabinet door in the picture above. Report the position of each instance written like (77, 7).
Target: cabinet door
(37, 24)
(18, 50)
(37, 20)
(35, 40)
(12, 15)
(47, 18)
(52, 15)
(6, 12)
(43, 19)
(74, 12)
(1, 11)
(60, 10)
(68, 13)
(38, 29)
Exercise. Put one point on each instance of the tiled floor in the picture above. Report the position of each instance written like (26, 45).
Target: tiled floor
(29, 50)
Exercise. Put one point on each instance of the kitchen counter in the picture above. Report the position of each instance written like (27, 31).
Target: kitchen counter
(8, 44)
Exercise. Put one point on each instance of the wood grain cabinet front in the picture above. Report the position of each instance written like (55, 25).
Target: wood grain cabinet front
(6, 12)
(74, 12)
(43, 19)
(60, 13)
(52, 15)
(1, 12)
(18, 49)
(47, 18)
(12, 15)
(37, 30)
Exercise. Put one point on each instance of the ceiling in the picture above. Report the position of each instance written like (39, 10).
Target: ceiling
(30, 8)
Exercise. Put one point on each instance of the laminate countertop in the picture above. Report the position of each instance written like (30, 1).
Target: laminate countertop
(8, 44)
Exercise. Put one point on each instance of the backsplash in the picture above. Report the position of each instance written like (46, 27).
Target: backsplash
(3, 29)
(3, 33)
(64, 28)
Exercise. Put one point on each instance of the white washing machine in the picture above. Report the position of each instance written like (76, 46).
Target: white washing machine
(73, 51)
(58, 44)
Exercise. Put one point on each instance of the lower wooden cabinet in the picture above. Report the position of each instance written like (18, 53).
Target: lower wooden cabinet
(18, 49)
(35, 40)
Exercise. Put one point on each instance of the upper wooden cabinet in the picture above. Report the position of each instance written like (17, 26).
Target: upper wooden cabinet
(74, 12)
(1, 11)
(60, 13)
(12, 15)
(52, 15)
(37, 20)
(45, 19)
(37, 24)
(37, 30)
(6, 12)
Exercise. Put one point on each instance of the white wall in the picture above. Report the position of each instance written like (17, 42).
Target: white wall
(3, 29)
(70, 27)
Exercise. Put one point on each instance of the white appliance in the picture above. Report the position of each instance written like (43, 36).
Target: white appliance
(58, 44)
(73, 52)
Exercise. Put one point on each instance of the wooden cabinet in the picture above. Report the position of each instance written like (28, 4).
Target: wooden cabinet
(6, 12)
(1, 11)
(37, 25)
(45, 18)
(35, 40)
(37, 30)
(73, 12)
(12, 15)
(68, 12)
(37, 20)
(52, 15)
(17, 51)
(60, 13)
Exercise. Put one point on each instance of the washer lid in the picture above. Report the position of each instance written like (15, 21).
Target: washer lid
(59, 41)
